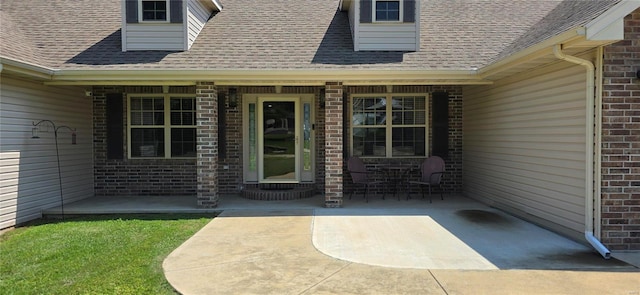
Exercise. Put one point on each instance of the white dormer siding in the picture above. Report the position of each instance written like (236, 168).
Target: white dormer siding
(197, 17)
(372, 34)
(184, 21)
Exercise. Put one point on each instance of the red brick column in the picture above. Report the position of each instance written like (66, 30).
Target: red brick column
(207, 144)
(621, 141)
(333, 145)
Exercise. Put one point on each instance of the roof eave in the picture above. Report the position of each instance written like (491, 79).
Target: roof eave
(610, 24)
(265, 77)
(603, 30)
(25, 69)
(574, 38)
(345, 4)
(216, 3)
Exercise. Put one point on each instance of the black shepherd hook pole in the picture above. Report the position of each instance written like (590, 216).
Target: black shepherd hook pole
(34, 134)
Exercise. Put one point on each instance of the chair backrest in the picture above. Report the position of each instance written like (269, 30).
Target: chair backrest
(357, 169)
(432, 170)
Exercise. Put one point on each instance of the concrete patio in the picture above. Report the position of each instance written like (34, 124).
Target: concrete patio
(386, 251)
(491, 238)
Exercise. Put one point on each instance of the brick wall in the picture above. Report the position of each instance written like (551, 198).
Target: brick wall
(121, 177)
(207, 144)
(179, 177)
(230, 166)
(621, 141)
(333, 135)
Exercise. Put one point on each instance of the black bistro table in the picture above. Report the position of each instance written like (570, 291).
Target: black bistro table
(397, 174)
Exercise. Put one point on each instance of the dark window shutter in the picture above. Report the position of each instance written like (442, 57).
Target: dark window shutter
(409, 11)
(222, 126)
(345, 123)
(131, 7)
(440, 126)
(115, 135)
(365, 11)
(176, 11)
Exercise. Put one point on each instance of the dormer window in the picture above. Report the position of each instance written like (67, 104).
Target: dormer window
(164, 24)
(154, 11)
(384, 12)
(384, 25)
(387, 11)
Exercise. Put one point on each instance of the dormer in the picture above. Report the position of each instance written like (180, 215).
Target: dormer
(378, 25)
(164, 24)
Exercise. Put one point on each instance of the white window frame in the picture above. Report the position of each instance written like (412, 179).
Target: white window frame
(140, 12)
(400, 13)
(388, 126)
(166, 127)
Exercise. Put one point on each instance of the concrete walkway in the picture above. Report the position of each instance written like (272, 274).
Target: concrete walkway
(368, 251)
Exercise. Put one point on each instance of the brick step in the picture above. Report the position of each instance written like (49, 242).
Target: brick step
(278, 194)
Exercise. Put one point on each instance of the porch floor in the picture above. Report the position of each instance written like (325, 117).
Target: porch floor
(188, 204)
(449, 211)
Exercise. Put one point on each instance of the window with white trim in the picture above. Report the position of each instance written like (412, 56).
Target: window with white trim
(383, 129)
(387, 11)
(162, 126)
(154, 11)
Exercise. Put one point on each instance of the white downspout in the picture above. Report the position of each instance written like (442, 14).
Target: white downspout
(589, 199)
(597, 181)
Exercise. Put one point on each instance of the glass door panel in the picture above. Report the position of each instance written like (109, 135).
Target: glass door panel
(279, 141)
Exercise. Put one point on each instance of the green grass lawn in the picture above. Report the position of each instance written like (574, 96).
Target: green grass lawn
(106, 254)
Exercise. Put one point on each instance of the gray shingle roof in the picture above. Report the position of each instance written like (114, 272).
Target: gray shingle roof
(15, 43)
(286, 34)
(567, 15)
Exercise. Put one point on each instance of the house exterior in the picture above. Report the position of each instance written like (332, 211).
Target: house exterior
(533, 105)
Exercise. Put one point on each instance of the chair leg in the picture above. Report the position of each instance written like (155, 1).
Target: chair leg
(408, 192)
(430, 200)
(441, 193)
(366, 190)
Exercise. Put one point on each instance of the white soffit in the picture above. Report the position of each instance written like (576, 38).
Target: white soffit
(344, 5)
(615, 31)
(610, 25)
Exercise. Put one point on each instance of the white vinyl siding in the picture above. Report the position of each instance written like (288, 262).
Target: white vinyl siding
(524, 145)
(28, 167)
(155, 36)
(380, 36)
(353, 22)
(197, 16)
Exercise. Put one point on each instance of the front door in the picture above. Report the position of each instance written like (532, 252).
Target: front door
(278, 138)
(278, 141)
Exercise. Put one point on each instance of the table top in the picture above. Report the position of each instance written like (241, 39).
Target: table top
(396, 167)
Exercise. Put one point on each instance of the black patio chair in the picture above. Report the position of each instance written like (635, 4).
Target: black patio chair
(431, 172)
(361, 176)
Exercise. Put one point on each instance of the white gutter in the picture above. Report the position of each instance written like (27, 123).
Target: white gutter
(589, 198)
(530, 53)
(232, 77)
(26, 68)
